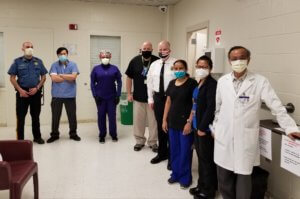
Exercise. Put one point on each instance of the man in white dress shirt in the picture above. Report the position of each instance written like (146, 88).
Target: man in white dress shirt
(158, 78)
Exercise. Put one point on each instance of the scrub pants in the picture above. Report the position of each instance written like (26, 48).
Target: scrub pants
(107, 107)
(181, 156)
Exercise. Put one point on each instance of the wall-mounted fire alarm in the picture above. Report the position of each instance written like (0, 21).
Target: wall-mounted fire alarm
(73, 27)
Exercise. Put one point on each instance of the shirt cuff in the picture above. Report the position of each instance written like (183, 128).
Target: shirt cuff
(150, 100)
(291, 130)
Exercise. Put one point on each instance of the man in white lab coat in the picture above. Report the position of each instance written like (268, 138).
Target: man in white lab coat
(236, 125)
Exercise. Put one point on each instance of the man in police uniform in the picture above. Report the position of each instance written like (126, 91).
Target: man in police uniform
(31, 75)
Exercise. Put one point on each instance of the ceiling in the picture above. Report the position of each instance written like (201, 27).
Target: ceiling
(137, 2)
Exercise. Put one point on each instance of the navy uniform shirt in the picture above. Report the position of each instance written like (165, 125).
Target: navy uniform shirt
(28, 71)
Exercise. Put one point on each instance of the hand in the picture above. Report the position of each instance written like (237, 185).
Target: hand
(129, 97)
(165, 126)
(98, 100)
(33, 91)
(201, 133)
(187, 128)
(295, 135)
(23, 93)
(117, 100)
(151, 105)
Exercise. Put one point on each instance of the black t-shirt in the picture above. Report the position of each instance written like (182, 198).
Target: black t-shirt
(138, 70)
(181, 102)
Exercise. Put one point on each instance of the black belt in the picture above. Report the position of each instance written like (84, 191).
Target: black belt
(160, 94)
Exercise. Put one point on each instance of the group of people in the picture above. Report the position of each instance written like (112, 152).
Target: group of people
(220, 119)
(28, 75)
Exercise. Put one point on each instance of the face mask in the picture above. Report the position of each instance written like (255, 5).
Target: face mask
(62, 58)
(146, 54)
(201, 73)
(239, 65)
(161, 55)
(105, 61)
(179, 74)
(28, 51)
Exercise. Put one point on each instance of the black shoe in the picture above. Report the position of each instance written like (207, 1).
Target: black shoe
(154, 148)
(195, 190)
(115, 139)
(169, 166)
(204, 196)
(138, 147)
(39, 141)
(52, 139)
(75, 137)
(171, 181)
(158, 159)
(102, 140)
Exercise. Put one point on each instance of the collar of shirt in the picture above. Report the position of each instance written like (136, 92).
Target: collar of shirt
(61, 64)
(241, 79)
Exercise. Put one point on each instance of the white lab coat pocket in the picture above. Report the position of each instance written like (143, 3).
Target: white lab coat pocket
(220, 136)
(250, 142)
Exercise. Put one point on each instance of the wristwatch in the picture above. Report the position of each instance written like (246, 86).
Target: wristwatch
(188, 121)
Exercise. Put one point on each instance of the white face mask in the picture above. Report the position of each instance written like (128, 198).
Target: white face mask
(105, 61)
(28, 51)
(239, 65)
(201, 73)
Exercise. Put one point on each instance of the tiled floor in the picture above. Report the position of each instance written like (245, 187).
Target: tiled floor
(88, 169)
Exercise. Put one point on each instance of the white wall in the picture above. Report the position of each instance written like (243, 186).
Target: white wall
(271, 30)
(45, 23)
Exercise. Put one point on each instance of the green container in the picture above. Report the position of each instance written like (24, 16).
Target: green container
(126, 110)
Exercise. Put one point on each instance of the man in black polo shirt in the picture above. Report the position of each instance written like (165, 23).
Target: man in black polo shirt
(137, 73)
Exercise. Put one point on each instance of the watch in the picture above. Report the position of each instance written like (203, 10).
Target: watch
(188, 121)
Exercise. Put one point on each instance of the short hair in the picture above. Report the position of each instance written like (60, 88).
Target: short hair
(60, 49)
(105, 52)
(182, 62)
(239, 47)
(207, 59)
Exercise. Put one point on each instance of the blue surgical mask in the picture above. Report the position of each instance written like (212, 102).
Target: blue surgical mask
(179, 74)
(62, 58)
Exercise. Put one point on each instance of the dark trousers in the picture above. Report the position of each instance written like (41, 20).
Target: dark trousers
(22, 104)
(207, 170)
(107, 107)
(181, 156)
(232, 185)
(56, 108)
(159, 106)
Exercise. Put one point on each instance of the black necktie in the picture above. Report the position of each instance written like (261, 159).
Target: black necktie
(161, 80)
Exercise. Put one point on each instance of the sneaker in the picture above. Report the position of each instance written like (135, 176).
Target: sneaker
(102, 140)
(52, 139)
(39, 141)
(75, 137)
(182, 186)
(138, 147)
(115, 139)
(154, 148)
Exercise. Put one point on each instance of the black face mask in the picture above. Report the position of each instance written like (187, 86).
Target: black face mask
(146, 54)
(162, 56)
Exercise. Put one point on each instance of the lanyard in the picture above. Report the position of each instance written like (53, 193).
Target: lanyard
(145, 68)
